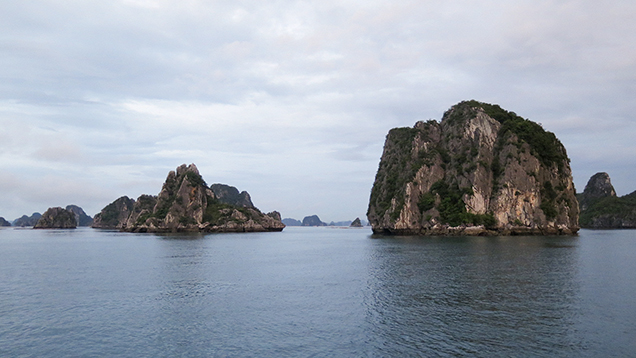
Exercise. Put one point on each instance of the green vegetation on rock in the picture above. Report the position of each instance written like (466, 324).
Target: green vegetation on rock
(399, 167)
(452, 209)
(544, 144)
(427, 175)
(623, 208)
(187, 204)
(602, 209)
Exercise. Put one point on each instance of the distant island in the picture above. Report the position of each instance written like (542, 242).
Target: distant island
(314, 220)
(27, 221)
(292, 222)
(482, 170)
(52, 219)
(602, 209)
(187, 204)
(57, 218)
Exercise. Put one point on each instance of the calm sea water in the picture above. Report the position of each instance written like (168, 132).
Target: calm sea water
(315, 292)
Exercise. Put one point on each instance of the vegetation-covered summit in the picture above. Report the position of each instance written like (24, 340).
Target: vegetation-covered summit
(482, 169)
(602, 209)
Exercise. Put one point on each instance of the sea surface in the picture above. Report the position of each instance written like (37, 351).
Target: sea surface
(315, 292)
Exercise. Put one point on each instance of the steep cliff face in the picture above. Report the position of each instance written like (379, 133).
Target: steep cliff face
(230, 195)
(602, 209)
(56, 218)
(81, 219)
(481, 170)
(598, 187)
(114, 215)
(186, 203)
(4, 222)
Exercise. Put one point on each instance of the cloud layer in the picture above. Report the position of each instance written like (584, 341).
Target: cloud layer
(291, 100)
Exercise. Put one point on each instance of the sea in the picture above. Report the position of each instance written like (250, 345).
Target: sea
(316, 292)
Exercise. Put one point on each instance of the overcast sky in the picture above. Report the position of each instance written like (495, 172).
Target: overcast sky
(292, 100)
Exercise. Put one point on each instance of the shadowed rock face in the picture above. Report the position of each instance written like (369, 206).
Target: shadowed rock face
(25, 221)
(481, 170)
(115, 215)
(56, 218)
(186, 203)
(312, 220)
(81, 219)
(292, 222)
(4, 222)
(599, 186)
(602, 209)
(230, 195)
(356, 223)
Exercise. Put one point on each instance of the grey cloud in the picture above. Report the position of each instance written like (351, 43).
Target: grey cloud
(292, 100)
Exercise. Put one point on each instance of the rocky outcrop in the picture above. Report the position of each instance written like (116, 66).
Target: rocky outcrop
(115, 215)
(142, 209)
(81, 219)
(274, 215)
(187, 204)
(56, 218)
(27, 221)
(602, 209)
(598, 187)
(230, 195)
(356, 223)
(4, 222)
(312, 220)
(480, 171)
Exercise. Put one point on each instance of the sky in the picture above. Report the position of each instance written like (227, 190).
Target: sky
(292, 100)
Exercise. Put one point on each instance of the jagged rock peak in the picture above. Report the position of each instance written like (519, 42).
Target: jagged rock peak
(186, 203)
(599, 186)
(56, 218)
(81, 219)
(182, 169)
(480, 170)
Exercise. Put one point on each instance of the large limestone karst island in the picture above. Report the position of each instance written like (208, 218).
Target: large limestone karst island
(187, 204)
(481, 170)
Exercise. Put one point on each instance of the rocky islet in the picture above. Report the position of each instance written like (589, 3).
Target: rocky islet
(187, 204)
(481, 170)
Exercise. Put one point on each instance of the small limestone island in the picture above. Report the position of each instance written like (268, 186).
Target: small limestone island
(602, 209)
(481, 170)
(26, 221)
(356, 223)
(187, 204)
(57, 218)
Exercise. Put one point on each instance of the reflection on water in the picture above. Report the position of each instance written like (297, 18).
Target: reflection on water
(468, 296)
(315, 292)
